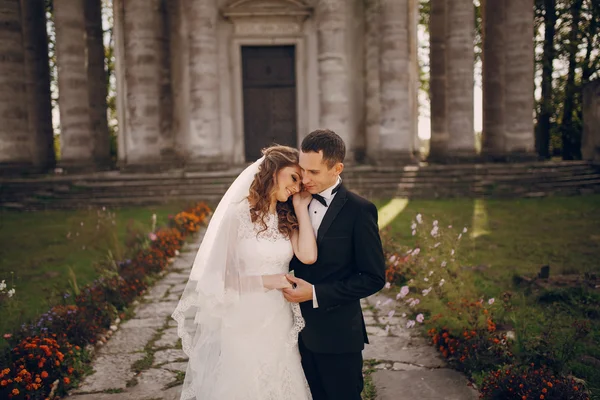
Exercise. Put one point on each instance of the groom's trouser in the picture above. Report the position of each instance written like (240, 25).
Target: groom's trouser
(332, 376)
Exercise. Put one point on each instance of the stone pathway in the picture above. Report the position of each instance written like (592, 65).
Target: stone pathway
(143, 361)
(406, 366)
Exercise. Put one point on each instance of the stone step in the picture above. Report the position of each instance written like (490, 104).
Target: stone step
(425, 181)
(356, 180)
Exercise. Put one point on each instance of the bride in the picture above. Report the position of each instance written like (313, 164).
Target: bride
(240, 334)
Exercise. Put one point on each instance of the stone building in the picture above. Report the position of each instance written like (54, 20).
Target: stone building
(207, 83)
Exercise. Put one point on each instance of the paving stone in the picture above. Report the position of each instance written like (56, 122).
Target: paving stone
(112, 371)
(367, 313)
(389, 321)
(184, 263)
(370, 321)
(152, 382)
(152, 322)
(103, 396)
(178, 289)
(168, 356)
(382, 304)
(129, 340)
(377, 331)
(173, 393)
(157, 292)
(423, 385)
(397, 349)
(168, 339)
(176, 278)
(176, 366)
(405, 367)
(156, 310)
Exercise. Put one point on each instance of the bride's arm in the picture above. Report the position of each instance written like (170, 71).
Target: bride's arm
(303, 240)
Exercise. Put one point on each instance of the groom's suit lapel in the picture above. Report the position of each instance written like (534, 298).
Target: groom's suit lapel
(332, 211)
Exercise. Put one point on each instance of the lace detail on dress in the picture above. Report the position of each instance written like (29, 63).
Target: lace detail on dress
(249, 229)
(299, 324)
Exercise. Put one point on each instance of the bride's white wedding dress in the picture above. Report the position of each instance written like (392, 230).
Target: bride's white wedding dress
(256, 356)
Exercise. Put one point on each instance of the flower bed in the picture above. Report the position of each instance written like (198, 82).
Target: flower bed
(442, 296)
(47, 357)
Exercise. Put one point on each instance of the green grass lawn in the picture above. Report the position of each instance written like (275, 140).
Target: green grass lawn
(513, 238)
(38, 249)
(516, 236)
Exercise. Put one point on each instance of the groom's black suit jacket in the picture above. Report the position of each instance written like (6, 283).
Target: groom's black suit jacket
(350, 265)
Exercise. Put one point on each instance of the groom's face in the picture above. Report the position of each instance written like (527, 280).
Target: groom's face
(316, 174)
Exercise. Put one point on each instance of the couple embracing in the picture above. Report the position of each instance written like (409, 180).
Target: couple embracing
(272, 310)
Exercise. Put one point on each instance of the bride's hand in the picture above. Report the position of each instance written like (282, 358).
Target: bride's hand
(277, 281)
(301, 199)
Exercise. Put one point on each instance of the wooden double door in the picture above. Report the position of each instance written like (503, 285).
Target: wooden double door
(269, 97)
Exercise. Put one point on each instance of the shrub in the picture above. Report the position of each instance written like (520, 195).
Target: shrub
(530, 382)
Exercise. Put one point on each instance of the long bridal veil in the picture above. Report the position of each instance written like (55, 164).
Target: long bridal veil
(217, 280)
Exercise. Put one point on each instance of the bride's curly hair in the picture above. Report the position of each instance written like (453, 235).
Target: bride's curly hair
(276, 158)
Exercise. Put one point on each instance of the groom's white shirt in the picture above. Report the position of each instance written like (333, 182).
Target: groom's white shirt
(317, 211)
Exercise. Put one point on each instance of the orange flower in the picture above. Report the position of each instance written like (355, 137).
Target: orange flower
(15, 392)
(3, 382)
(66, 380)
(44, 374)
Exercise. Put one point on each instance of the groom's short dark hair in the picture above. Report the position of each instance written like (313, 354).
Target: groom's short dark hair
(333, 147)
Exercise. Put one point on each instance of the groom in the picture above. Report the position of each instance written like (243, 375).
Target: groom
(350, 266)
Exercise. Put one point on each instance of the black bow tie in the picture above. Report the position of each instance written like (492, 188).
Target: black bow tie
(321, 199)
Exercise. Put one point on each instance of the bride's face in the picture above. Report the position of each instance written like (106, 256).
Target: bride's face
(287, 182)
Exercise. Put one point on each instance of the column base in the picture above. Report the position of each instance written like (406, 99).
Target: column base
(453, 157)
(16, 169)
(509, 157)
(388, 158)
(207, 167)
(77, 167)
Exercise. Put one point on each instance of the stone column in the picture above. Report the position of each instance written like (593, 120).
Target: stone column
(121, 87)
(414, 73)
(460, 20)
(76, 136)
(97, 82)
(334, 77)
(203, 136)
(15, 137)
(396, 134)
(494, 99)
(519, 79)
(372, 96)
(437, 81)
(147, 144)
(37, 69)
(508, 73)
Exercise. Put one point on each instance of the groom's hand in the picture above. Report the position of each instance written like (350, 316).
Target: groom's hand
(301, 293)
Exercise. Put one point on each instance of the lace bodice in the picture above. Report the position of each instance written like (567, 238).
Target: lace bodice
(263, 251)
